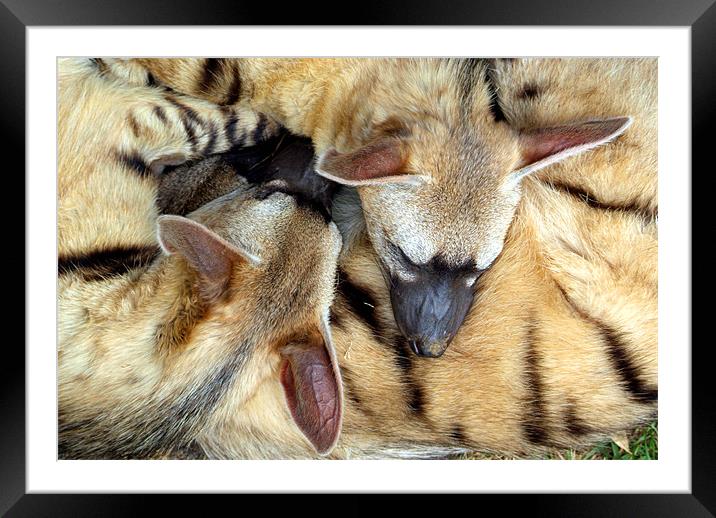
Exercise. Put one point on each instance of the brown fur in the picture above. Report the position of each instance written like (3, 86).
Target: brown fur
(560, 348)
(146, 354)
(435, 168)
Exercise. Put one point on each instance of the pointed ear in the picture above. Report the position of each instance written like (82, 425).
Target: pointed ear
(542, 147)
(312, 384)
(159, 164)
(211, 256)
(377, 163)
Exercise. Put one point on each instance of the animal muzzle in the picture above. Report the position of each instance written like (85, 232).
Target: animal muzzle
(430, 310)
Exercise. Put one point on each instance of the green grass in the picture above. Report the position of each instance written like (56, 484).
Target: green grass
(643, 445)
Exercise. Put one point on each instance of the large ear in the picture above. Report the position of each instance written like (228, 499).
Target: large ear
(377, 163)
(542, 147)
(210, 255)
(313, 388)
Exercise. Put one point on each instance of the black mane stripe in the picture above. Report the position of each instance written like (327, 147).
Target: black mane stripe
(108, 262)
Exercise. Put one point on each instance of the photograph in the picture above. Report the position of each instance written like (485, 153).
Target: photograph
(357, 258)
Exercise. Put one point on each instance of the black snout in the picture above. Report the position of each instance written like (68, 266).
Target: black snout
(430, 309)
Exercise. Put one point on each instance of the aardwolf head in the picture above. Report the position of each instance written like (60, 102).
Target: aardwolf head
(264, 259)
(439, 190)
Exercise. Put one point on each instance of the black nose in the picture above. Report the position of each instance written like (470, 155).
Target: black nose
(430, 310)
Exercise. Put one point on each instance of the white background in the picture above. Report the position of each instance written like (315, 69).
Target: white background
(670, 473)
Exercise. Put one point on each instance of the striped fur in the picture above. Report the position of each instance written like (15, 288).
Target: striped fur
(560, 348)
(149, 360)
(428, 145)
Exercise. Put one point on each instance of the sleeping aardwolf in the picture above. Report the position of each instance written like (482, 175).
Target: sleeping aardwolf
(438, 171)
(168, 323)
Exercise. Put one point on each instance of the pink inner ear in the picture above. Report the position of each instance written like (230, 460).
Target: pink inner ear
(312, 387)
(203, 250)
(543, 143)
(375, 163)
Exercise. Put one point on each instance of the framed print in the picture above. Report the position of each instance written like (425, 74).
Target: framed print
(55, 445)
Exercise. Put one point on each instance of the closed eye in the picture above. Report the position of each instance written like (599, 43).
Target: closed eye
(401, 255)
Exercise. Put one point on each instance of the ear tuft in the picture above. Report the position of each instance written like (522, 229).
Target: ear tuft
(545, 146)
(378, 163)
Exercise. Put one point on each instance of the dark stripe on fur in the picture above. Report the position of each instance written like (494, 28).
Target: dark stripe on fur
(628, 372)
(134, 125)
(415, 396)
(234, 92)
(533, 423)
(497, 113)
(351, 392)
(362, 304)
(100, 64)
(574, 424)
(160, 114)
(160, 427)
(457, 434)
(529, 91)
(190, 121)
(134, 161)
(231, 119)
(587, 197)
(258, 134)
(211, 74)
(110, 262)
(151, 80)
(212, 139)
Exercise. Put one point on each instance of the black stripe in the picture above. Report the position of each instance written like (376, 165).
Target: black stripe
(362, 305)
(190, 121)
(457, 434)
(134, 161)
(212, 139)
(617, 351)
(534, 423)
(350, 391)
(361, 302)
(101, 65)
(234, 92)
(163, 425)
(211, 75)
(529, 91)
(258, 134)
(415, 396)
(231, 119)
(587, 197)
(574, 424)
(497, 114)
(151, 80)
(628, 372)
(110, 262)
(159, 112)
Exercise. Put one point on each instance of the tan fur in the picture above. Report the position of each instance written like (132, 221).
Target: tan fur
(143, 355)
(534, 363)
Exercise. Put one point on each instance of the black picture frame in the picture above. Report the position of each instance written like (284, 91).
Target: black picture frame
(17, 15)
